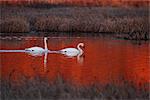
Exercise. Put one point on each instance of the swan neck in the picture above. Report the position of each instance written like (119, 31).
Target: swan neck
(45, 43)
(81, 51)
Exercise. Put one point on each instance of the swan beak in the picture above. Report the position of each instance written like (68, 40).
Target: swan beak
(60, 51)
(27, 50)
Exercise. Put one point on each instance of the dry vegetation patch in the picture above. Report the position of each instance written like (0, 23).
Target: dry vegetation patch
(14, 25)
(43, 89)
(131, 23)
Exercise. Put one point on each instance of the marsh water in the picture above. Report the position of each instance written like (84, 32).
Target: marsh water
(104, 61)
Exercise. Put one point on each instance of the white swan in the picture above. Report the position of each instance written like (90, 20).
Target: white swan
(71, 52)
(36, 51)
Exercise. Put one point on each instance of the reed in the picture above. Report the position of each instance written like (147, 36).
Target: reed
(133, 28)
(117, 25)
(128, 23)
(14, 25)
(42, 89)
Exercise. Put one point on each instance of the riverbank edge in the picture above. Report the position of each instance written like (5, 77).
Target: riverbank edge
(124, 36)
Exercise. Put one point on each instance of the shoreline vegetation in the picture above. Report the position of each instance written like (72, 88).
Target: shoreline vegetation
(128, 23)
(39, 88)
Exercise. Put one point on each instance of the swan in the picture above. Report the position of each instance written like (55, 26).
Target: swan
(35, 51)
(71, 52)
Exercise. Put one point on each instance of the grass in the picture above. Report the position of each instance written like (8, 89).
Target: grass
(14, 25)
(127, 23)
(40, 88)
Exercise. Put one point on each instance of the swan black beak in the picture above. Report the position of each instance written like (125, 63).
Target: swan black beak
(60, 51)
(27, 50)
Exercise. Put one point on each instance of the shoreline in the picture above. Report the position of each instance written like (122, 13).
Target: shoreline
(123, 36)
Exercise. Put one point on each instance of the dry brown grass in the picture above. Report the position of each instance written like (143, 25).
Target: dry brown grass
(14, 25)
(87, 24)
(131, 23)
(77, 24)
(42, 89)
(47, 23)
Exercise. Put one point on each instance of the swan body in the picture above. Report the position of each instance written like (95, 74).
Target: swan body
(35, 51)
(71, 52)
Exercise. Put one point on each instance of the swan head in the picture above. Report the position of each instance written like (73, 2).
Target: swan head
(81, 44)
(28, 50)
(45, 38)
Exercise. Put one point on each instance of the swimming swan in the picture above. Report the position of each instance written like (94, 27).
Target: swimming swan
(38, 50)
(71, 52)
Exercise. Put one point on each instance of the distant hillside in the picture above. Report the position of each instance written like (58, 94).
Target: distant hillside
(136, 3)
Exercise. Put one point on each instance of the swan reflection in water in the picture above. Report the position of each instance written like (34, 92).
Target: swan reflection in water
(39, 51)
(40, 54)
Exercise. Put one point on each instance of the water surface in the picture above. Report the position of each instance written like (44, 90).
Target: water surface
(104, 61)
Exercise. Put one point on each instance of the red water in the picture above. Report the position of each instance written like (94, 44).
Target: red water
(105, 61)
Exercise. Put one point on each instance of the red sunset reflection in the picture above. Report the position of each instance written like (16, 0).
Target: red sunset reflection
(104, 61)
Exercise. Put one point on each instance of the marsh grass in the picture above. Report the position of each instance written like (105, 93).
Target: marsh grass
(39, 88)
(14, 25)
(127, 23)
